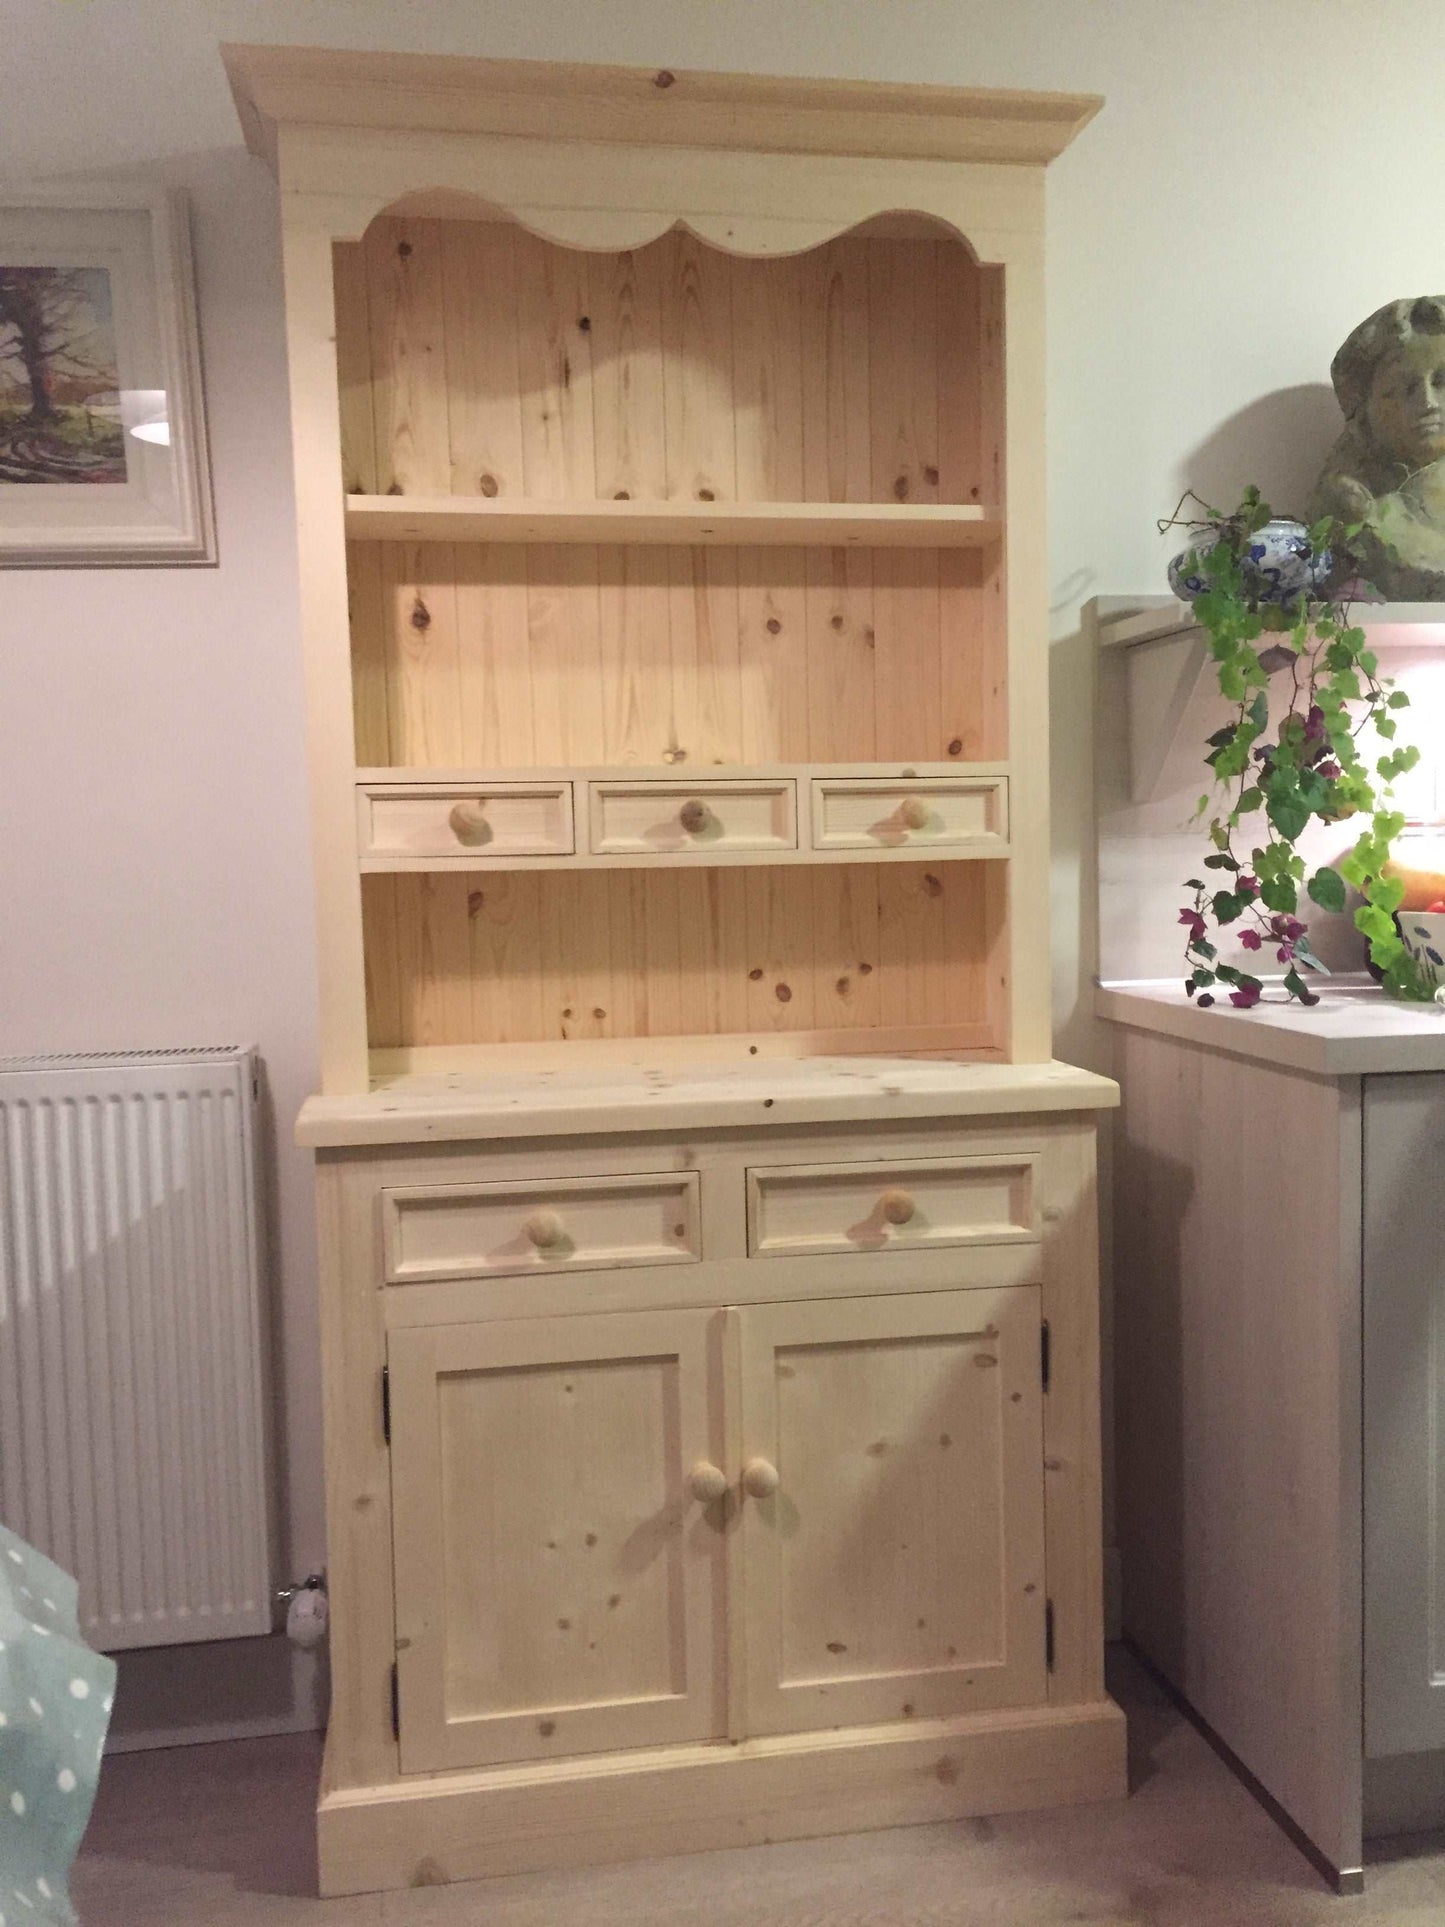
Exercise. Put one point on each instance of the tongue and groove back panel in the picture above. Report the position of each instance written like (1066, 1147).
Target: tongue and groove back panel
(841, 955)
(476, 359)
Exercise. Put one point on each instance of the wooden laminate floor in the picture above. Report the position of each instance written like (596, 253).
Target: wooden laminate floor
(220, 1836)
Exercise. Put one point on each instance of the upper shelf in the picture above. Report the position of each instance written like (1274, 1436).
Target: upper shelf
(482, 518)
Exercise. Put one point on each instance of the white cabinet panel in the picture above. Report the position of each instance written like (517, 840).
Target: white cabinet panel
(1404, 1331)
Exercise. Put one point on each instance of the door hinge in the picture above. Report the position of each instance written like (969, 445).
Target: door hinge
(395, 1702)
(1046, 1353)
(386, 1403)
(1048, 1635)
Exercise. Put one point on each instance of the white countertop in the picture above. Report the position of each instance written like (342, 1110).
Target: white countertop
(1354, 1029)
(447, 1106)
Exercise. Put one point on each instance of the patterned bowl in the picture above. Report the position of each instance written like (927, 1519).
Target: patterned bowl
(1424, 934)
(1281, 566)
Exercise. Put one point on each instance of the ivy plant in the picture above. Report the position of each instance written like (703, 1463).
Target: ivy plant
(1269, 783)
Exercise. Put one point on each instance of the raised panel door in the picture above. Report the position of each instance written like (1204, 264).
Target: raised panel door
(892, 1518)
(559, 1588)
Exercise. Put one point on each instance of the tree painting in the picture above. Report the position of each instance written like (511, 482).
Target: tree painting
(59, 383)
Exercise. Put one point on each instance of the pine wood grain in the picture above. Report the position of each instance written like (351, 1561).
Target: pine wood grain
(639, 953)
(519, 373)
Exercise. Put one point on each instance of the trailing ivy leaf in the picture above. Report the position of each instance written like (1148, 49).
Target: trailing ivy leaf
(1259, 711)
(1203, 949)
(1288, 812)
(1384, 726)
(1279, 893)
(1194, 883)
(1227, 905)
(1297, 987)
(1218, 862)
(1397, 699)
(1327, 888)
(1227, 974)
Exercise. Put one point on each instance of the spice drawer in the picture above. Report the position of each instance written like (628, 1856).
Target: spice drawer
(893, 813)
(703, 818)
(444, 1231)
(805, 1209)
(473, 825)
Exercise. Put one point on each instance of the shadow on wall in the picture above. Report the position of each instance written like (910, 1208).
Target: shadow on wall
(1278, 442)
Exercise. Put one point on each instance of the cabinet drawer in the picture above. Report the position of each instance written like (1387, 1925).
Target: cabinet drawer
(802, 1209)
(438, 1231)
(893, 813)
(628, 818)
(495, 819)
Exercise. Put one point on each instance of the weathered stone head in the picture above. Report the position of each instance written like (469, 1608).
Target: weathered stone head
(1387, 470)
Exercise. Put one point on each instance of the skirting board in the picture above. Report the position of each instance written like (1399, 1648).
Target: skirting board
(467, 1826)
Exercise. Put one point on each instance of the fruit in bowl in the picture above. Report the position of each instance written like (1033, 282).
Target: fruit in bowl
(1417, 860)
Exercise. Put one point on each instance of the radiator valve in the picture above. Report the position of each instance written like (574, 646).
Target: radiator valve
(306, 1611)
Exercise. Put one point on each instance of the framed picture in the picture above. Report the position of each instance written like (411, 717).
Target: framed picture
(102, 428)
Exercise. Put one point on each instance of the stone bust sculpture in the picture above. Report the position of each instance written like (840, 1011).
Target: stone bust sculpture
(1387, 470)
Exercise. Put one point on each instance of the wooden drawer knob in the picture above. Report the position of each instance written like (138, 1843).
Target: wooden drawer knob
(469, 822)
(707, 1482)
(545, 1229)
(913, 812)
(694, 816)
(760, 1478)
(897, 1206)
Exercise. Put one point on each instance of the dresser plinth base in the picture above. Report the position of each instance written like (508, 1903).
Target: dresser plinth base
(586, 1812)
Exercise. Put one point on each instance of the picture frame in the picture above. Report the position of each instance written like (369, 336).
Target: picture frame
(103, 457)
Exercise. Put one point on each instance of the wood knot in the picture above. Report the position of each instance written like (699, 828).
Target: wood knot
(598, 1011)
(930, 475)
(755, 976)
(623, 495)
(900, 488)
(865, 970)
(395, 489)
(955, 748)
(546, 1728)
(931, 885)
(403, 249)
(782, 993)
(706, 495)
(420, 615)
(487, 484)
(842, 986)
(475, 900)
(775, 628)
(663, 78)
(584, 322)
(836, 622)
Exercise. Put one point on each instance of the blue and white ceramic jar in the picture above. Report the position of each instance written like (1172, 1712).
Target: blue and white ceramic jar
(1280, 565)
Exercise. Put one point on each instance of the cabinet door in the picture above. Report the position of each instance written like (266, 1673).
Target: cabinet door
(558, 1587)
(897, 1571)
(1404, 1350)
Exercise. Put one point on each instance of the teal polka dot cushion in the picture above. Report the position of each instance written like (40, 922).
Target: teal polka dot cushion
(55, 1699)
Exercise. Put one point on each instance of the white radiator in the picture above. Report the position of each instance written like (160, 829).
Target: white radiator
(133, 1439)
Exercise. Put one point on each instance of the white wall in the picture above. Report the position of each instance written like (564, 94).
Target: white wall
(1263, 176)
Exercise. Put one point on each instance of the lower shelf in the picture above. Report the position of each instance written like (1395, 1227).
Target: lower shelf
(466, 1826)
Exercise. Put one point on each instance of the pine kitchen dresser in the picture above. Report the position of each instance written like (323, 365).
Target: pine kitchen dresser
(708, 1239)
